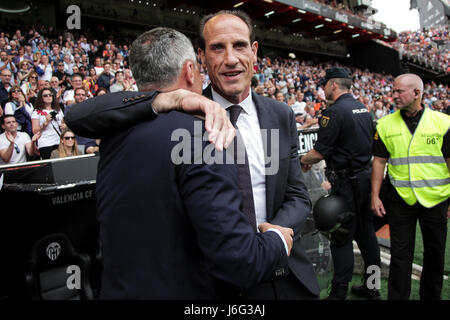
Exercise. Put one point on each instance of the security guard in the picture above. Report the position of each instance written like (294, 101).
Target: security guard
(415, 142)
(345, 142)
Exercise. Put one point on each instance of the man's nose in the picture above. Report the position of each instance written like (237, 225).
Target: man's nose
(230, 57)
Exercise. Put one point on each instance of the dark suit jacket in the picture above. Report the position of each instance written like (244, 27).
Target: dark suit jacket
(287, 198)
(174, 231)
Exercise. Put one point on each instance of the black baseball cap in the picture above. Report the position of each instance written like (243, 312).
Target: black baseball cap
(333, 73)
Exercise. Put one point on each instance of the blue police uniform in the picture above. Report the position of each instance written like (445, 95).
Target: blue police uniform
(345, 140)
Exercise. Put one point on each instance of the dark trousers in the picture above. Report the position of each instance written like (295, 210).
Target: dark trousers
(286, 288)
(46, 151)
(402, 223)
(361, 229)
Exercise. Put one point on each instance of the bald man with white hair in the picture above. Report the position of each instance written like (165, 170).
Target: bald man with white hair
(415, 142)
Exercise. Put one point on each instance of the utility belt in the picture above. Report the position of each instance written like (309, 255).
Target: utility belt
(335, 176)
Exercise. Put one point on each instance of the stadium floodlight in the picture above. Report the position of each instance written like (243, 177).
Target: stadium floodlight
(269, 13)
(328, 19)
(337, 31)
(301, 11)
(14, 7)
(318, 26)
(355, 35)
(296, 20)
(238, 4)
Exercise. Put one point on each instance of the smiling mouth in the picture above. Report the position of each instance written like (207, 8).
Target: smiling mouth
(231, 74)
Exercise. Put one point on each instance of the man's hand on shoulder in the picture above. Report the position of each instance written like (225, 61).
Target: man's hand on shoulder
(220, 130)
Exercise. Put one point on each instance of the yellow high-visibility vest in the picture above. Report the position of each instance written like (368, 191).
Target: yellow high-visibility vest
(416, 167)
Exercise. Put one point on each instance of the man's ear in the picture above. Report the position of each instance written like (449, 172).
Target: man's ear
(189, 71)
(255, 51)
(201, 54)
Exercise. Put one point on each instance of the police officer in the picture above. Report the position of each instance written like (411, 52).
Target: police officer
(345, 142)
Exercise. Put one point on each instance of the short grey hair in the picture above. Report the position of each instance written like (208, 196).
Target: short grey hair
(157, 57)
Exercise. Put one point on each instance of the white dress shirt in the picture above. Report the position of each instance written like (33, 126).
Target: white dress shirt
(250, 131)
(248, 125)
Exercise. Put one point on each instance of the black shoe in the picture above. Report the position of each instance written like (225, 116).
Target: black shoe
(338, 292)
(364, 292)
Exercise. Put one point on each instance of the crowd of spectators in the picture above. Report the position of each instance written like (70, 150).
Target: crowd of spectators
(295, 82)
(43, 73)
(343, 8)
(428, 46)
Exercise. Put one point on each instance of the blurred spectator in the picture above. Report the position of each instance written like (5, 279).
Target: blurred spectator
(116, 67)
(98, 66)
(13, 51)
(129, 77)
(6, 63)
(77, 60)
(379, 110)
(15, 145)
(56, 55)
(42, 49)
(30, 86)
(5, 85)
(90, 82)
(68, 64)
(79, 94)
(48, 119)
(25, 70)
(101, 91)
(21, 56)
(106, 78)
(44, 69)
(120, 83)
(76, 81)
(279, 96)
(67, 147)
(86, 145)
(61, 74)
(20, 108)
(57, 89)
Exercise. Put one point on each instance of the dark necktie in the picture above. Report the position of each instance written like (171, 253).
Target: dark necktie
(243, 170)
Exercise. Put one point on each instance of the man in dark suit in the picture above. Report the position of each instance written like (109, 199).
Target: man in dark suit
(172, 229)
(279, 194)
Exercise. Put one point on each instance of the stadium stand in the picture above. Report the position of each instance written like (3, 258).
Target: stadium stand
(298, 40)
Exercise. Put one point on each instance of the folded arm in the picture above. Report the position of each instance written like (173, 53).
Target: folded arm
(110, 113)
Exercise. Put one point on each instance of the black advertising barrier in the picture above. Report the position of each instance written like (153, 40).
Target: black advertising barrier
(41, 198)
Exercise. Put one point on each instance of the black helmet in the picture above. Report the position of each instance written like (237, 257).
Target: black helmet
(330, 212)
